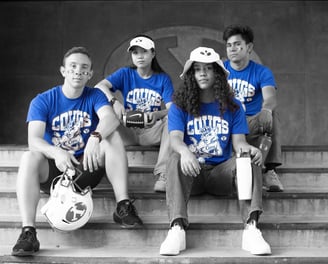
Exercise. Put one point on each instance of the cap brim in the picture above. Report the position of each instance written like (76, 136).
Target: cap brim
(186, 68)
(129, 48)
(190, 62)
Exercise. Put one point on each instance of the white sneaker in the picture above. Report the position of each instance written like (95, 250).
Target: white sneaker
(174, 242)
(254, 242)
(271, 182)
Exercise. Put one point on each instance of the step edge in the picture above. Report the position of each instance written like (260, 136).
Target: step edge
(147, 255)
(149, 194)
(110, 225)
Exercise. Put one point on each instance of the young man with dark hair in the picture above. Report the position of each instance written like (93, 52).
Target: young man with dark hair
(254, 85)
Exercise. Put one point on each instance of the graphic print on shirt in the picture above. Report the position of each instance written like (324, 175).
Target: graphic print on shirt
(144, 100)
(243, 90)
(207, 134)
(67, 129)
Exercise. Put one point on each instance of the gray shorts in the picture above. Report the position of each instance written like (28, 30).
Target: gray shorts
(86, 179)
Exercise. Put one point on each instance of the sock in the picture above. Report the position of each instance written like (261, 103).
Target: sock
(120, 203)
(270, 166)
(254, 217)
(30, 228)
(179, 222)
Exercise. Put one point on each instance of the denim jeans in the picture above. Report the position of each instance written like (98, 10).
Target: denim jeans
(216, 180)
(256, 131)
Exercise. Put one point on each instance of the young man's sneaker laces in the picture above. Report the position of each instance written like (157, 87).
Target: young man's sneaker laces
(126, 215)
(27, 243)
(271, 182)
(160, 184)
(175, 242)
(253, 241)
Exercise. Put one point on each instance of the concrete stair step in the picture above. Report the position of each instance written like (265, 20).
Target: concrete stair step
(139, 176)
(304, 166)
(150, 255)
(303, 177)
(204, 231)
(295, 156)
(10, 155)
(315, 156)
(294, 222)
(296, 203)
(142, 176)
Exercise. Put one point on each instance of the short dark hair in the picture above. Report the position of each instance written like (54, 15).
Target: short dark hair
(75, 50)
(245, 31)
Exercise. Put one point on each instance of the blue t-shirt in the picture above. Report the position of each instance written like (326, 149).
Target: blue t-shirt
(247, 85)
(69, 122)
(209, 136)
(145, 95)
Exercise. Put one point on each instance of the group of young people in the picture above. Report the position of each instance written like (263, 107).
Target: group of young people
(200, 126)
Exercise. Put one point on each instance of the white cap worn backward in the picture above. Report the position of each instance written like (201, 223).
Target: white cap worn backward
(142, 42)
(204, 55)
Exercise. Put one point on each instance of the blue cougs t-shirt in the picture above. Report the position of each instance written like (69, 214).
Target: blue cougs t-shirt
(247, 85)
(69, 122)
(209, 136)
(145, 95)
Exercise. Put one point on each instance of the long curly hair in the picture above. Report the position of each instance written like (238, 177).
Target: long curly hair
(187, 96)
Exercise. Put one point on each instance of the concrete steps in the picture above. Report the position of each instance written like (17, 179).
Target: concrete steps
(294, 222)
(291, 178)
(204, 231)
(149, 255)
(294, 203)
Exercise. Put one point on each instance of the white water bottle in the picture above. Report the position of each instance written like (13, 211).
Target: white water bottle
(244, 176)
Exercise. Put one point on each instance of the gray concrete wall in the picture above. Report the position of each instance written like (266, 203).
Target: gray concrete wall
(290, 37)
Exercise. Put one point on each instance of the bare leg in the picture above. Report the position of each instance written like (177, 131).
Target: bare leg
(116, 165)
(33, 169)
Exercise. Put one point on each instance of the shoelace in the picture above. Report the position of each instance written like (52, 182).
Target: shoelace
(127, 208)
(273, 175)
(26, 235)
(162, 177)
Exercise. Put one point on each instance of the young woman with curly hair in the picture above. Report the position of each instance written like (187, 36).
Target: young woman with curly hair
(188, 96)
(206, 123)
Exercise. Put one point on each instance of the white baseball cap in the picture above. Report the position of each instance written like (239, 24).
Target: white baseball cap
(142, 42)
(204, 55)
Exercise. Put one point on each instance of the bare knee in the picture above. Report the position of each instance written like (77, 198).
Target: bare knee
(113, 148)
(32, 158)
(112, 143)
(33, 164)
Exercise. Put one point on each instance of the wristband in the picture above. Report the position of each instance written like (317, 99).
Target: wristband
(113, 100)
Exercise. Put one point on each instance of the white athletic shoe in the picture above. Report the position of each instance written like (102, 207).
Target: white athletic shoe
(254, 242)
(271, 182)
(174, 242)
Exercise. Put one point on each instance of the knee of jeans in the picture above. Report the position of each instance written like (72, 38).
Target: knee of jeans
(254, 125)
(173, 159)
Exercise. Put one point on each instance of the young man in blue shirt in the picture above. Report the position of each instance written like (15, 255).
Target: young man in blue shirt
(254, 85)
